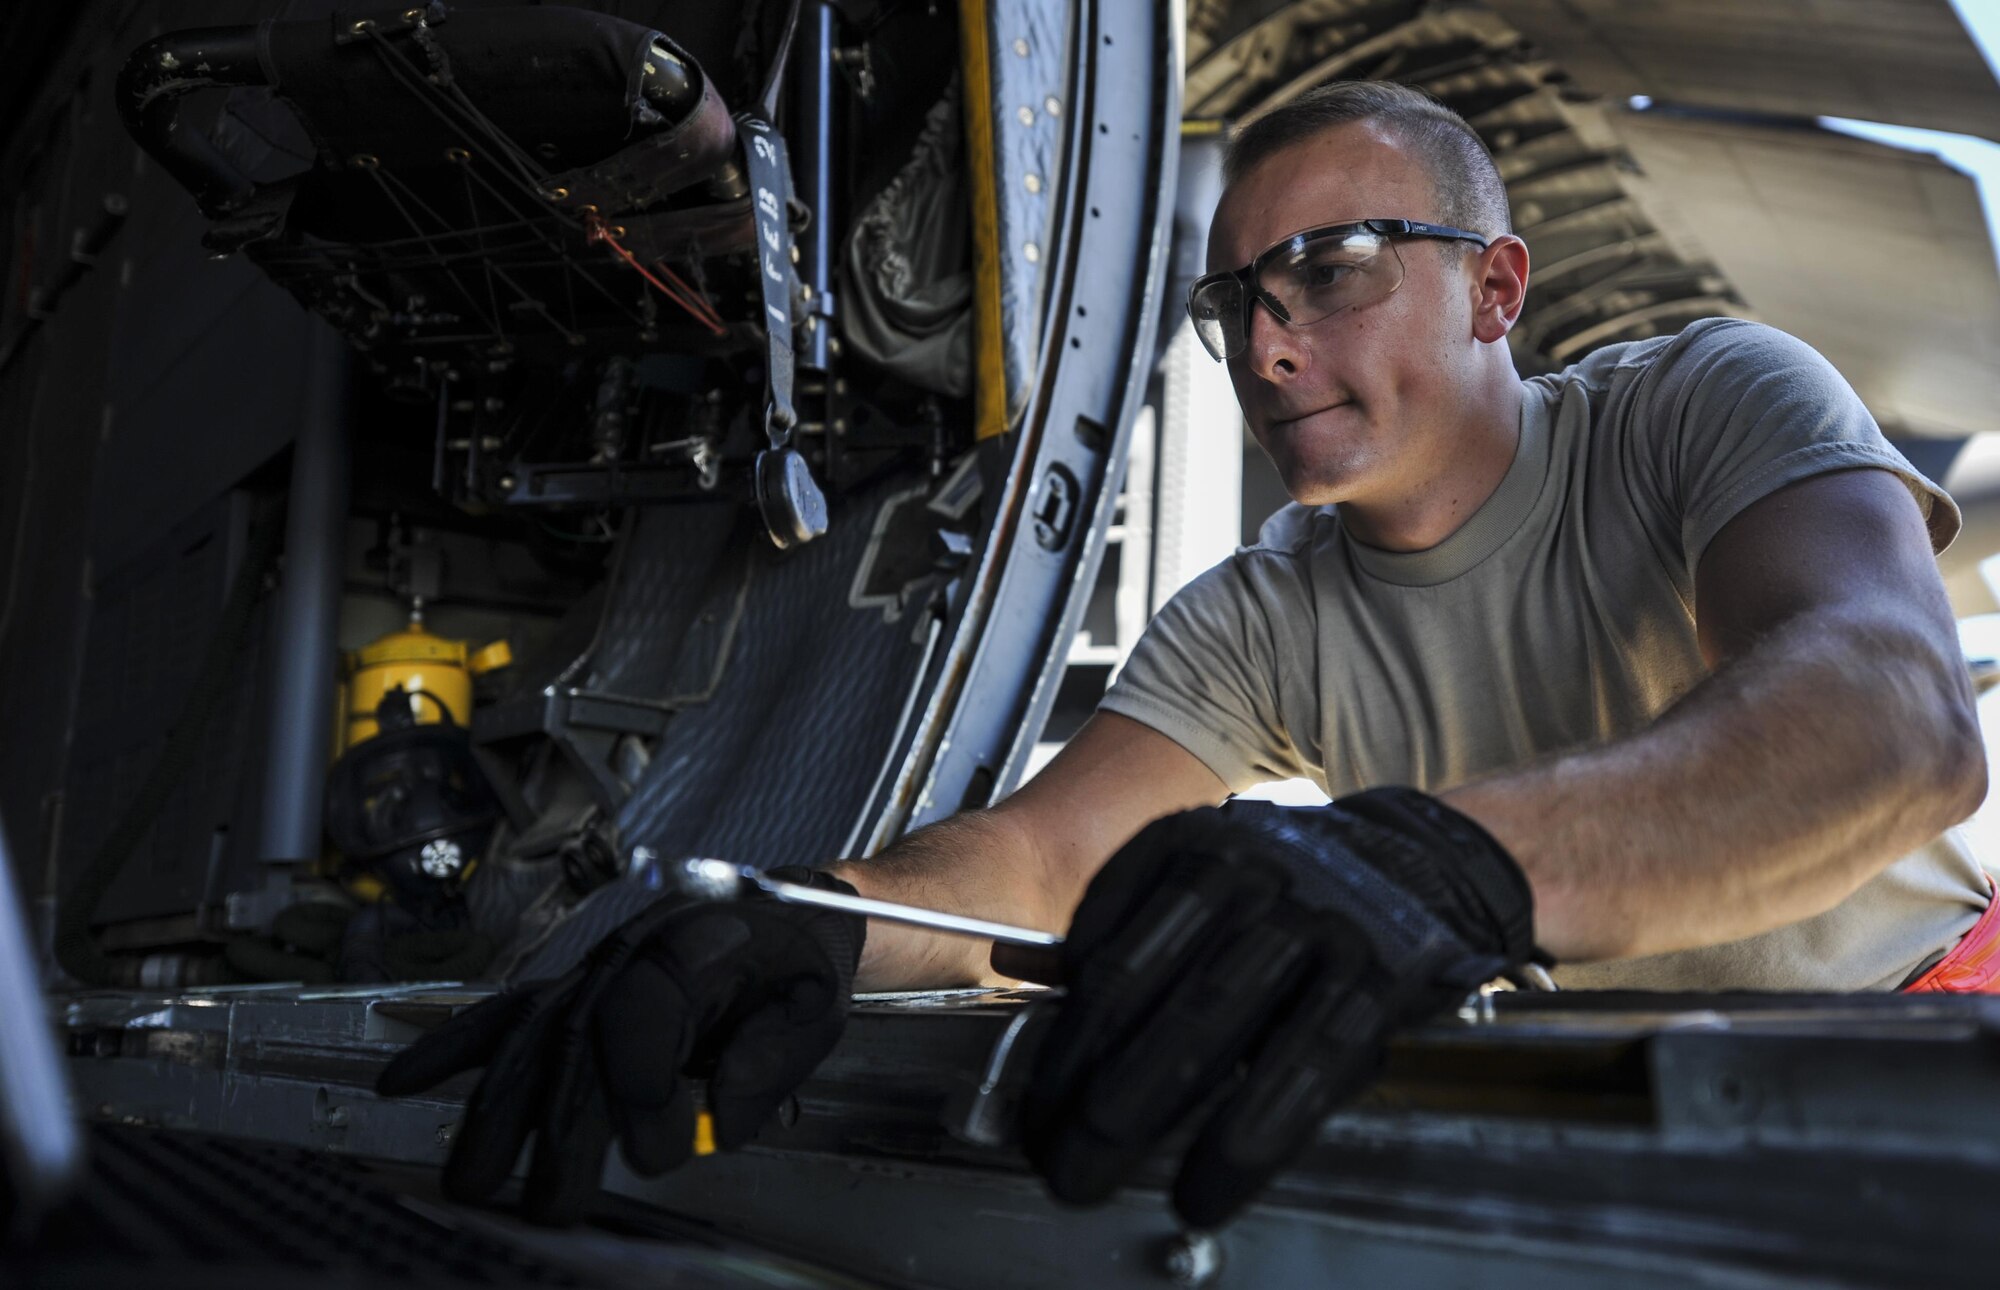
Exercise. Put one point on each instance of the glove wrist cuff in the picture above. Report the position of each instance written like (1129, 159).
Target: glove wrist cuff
(1484, 884)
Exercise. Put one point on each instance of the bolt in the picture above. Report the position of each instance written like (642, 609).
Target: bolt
(1192, 1259)
(337, 1118)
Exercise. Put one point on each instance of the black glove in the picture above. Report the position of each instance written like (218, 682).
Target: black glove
(1294, 941)
(750, 992)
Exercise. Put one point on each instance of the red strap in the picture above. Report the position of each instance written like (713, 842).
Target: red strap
(1973, 965)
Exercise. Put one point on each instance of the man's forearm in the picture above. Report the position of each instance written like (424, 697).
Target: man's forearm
(1766, 796)
(975, 863)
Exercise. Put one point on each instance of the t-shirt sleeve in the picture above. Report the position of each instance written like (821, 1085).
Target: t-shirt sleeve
(1204, 674)
(1735, 410)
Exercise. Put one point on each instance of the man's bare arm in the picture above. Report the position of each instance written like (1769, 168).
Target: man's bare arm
(1836, 733)
(1027, 859)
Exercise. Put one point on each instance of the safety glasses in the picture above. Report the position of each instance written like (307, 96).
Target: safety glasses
(1306, 277)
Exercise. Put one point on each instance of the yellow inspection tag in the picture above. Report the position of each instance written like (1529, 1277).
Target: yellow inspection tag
(704, 1134)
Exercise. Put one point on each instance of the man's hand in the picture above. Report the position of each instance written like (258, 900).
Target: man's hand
(1288, 942)
(749, 993)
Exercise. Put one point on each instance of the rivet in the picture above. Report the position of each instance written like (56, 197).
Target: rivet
(1021, 46)
(457, 156)
(558, 193)
(1033, 183)
(1052, 105)
(1032, 252)
(1027, 115)
(364, 161)
(362, 26)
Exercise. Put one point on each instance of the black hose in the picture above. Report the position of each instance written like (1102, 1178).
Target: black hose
(75, 948)
(151, 86)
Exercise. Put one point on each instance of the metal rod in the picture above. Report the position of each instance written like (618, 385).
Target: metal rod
(718, 877)
(299, 715)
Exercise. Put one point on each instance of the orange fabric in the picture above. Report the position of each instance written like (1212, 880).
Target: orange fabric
(1973, 966)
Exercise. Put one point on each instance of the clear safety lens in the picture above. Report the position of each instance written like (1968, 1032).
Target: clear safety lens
(1216, 306)
(1303, 279)
(1317, 278)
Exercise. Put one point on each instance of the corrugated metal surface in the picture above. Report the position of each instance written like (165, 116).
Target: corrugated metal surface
(1904, 61)
(1876, 257)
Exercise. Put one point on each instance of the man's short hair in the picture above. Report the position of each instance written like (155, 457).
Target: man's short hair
(1470, 192)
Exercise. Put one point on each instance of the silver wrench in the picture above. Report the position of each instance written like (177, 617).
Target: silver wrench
(721, 880)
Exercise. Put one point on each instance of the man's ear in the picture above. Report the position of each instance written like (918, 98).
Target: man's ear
(1500, 287)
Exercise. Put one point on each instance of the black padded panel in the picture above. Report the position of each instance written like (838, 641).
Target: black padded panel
(675, 561)
(776, 767)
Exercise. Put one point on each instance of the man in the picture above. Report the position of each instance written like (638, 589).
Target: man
(1644, 669)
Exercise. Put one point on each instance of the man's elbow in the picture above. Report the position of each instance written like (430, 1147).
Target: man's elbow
(1962, 776)
(1941, 763)
(1909, 700)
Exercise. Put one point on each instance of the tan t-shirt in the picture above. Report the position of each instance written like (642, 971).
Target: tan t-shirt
(1560, 614)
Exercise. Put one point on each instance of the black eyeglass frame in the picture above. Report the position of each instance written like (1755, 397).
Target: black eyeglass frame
(1253, 293)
